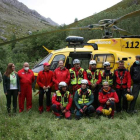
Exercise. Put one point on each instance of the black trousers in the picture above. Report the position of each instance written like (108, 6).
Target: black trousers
(10, 94)
(135, 93)
(121, 94)
(41, 96)
(95, 93)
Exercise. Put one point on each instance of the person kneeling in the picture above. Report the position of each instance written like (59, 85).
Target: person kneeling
(107, 98)
(83, 99)
(62, 101)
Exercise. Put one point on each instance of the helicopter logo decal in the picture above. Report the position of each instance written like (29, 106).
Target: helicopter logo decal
(103, 42)
(114, 41)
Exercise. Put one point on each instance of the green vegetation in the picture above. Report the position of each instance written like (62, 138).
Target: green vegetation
(32, 125)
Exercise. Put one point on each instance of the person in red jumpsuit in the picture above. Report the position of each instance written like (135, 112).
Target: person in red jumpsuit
(107, 98)
(122, 80)
(44, 80)
(26, 77)
(61, 74)
(62, 101)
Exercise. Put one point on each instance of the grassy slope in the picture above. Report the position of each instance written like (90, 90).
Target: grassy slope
(28, 126)
(15, 21)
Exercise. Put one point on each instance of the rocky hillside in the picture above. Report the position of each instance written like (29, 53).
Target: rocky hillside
(17, 19)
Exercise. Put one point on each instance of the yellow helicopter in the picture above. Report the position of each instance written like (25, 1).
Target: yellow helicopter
(106, 49)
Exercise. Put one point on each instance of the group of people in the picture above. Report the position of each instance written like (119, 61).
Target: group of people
(78, 91)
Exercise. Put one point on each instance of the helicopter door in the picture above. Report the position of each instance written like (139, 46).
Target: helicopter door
(84, 58)
(101, 58)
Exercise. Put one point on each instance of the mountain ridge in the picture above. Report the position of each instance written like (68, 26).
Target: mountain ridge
(24, 8)
(17, 20)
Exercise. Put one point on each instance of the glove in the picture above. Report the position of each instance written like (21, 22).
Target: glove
(81, 110)
(61, 107)
(84, 108)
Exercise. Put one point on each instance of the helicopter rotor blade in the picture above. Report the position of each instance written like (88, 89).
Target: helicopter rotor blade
(89, 27)
(32, 36)
(92, 27)
(132, 14)
(122, 31)
(96, 26)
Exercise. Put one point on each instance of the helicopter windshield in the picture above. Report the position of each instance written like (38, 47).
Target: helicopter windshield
(46, 59)
(39, 66)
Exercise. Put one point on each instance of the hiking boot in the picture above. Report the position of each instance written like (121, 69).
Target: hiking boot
(48, 108)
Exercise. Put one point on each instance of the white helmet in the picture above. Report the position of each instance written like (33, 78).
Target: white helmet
(106, 64)
(76, 61)
(84, 81)
(62, 84)
(92, 62)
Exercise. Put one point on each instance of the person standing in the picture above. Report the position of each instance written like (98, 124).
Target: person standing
(11, 87)
(94, 80)
(76, 75)
(107, 75)
(122, 81)
(62, 101)
(83, 100)
(26, 78)
(61, 74)
(135, 75)
(44, 80)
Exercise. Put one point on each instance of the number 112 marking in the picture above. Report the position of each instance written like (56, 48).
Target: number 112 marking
(132, 44)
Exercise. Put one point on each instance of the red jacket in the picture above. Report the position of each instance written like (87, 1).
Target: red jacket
(26, 77)
(99, 78)
(61, 75)
(44, 78)
(126, 78)
(54, 101)
(104, 96)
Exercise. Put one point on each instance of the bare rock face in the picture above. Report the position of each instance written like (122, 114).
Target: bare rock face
(21, 7)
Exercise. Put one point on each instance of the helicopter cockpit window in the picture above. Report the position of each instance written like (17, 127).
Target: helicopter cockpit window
(46, 59)
(37, 68)
(101, 58)
(54, 63)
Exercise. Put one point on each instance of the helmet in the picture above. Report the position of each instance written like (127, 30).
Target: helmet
(84, 81)
(92, 62)
(76, 61)
(129, 97)
(106, 64)
(107, 112)
(62, 84)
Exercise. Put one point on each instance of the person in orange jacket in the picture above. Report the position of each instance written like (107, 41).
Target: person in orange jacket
(61, 74)
(26, 77)
(44, 80)
(62, 101)
(108, 99)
